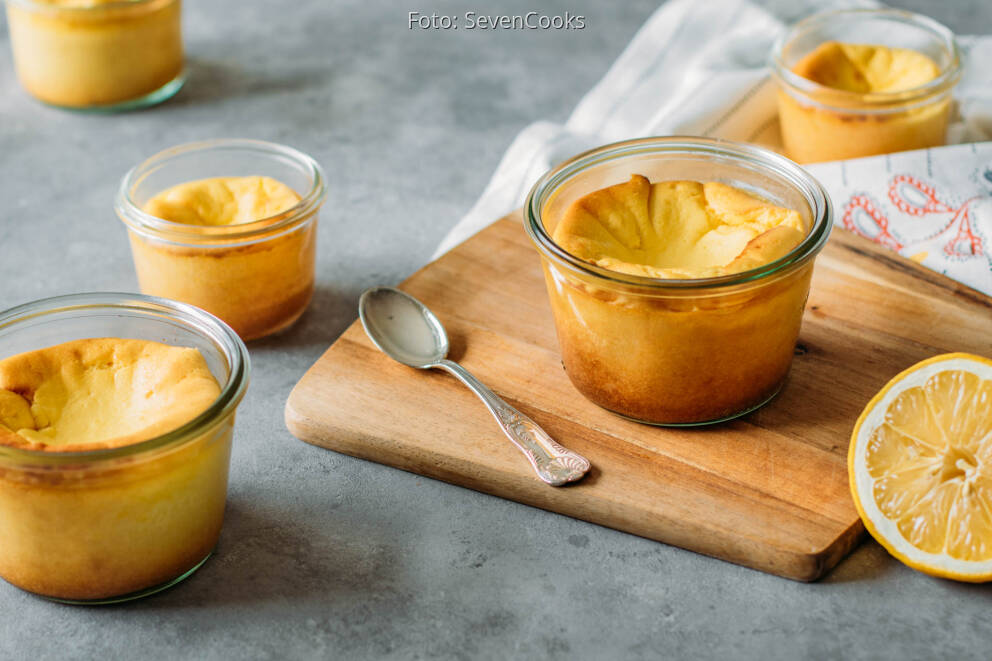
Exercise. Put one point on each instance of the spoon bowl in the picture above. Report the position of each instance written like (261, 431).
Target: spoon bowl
(402, 327)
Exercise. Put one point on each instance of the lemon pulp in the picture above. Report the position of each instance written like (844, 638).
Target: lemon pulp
(921, 466)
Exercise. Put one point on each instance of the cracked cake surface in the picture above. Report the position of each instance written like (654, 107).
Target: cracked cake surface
(100, 393)
(677, 229)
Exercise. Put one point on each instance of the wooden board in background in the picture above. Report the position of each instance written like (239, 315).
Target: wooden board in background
(768, 491)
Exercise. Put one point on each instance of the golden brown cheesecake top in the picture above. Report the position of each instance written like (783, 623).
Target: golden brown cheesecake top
(222, 201)
(866, 68)
(100, 393)
(677, 229)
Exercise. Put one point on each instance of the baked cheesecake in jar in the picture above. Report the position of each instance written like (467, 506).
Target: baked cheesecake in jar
(855, 83)
(98, 54)
(116, 421)
(678, 271)
(229, 226)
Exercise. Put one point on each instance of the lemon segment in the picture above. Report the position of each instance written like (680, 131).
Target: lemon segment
(920, 467)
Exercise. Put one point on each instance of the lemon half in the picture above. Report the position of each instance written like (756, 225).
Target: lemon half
(920, 467)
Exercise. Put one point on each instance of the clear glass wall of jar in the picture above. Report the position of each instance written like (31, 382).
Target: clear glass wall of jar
(114, 524)
(259, 276)
(679, 351)
(107, 55)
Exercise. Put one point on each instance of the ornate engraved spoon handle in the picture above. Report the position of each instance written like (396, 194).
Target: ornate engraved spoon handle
(553, 463)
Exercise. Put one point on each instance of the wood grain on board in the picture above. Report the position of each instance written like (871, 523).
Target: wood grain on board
(768, 491)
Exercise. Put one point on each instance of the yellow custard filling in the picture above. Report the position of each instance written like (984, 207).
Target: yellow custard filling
(866, 68)
(100, 393)
(851, 112)
(258, 285)
(222, 201)
(96, 53)
(677, 229)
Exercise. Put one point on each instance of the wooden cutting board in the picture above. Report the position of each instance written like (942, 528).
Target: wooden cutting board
(768, 491)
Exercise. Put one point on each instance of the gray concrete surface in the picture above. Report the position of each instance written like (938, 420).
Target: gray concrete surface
(325, 556)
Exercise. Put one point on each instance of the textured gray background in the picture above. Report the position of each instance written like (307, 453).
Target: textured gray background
(323, 555)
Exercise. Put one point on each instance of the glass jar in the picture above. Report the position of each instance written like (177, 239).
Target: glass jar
(114, 524)
(258, 277)
(103, 55)
(679, 351)
(820, 123)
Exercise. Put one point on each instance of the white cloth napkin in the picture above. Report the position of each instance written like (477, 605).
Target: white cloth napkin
(699, 68)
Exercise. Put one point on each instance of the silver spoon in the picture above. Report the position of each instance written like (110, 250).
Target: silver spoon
(408, 332)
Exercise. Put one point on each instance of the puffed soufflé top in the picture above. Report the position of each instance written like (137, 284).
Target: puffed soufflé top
(866, 68)
(100, 393)
(677, 229)
(222, 201)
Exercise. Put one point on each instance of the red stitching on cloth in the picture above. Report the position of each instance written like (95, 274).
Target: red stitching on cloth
(965, 234)
(864, 203)
(932, 205)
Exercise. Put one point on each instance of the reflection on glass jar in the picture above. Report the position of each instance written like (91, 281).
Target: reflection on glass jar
(256, 276)
(678, 351)
(113, 524)
(823, 123)
(103, 55)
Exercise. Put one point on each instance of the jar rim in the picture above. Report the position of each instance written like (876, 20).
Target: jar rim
(206, 324)
(820, 207)
(872, 102)
(144, 223)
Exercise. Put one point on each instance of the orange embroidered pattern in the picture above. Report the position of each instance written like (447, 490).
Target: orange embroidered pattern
(860, 209)
(916, 198)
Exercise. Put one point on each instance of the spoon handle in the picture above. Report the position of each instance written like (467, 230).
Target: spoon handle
(553, 463)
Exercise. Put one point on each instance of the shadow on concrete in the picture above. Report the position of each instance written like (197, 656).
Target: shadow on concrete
(871, 562)
(329, 314)
(867, 562)
(263, 558)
